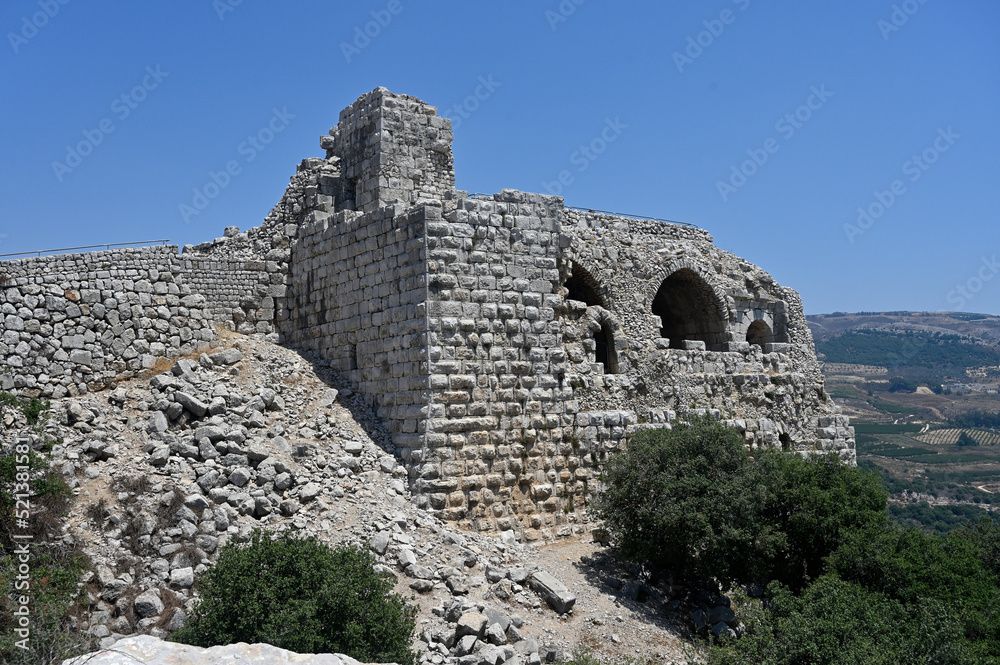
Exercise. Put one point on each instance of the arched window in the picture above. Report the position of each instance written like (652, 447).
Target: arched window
(689, 311)
(583, 287)
(759, 333)
(606, 354)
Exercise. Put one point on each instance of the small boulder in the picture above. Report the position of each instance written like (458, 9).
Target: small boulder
(148, 604)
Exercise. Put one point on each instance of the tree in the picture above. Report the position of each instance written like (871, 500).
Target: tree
(965, 439)
(302, 595)
(687, 499)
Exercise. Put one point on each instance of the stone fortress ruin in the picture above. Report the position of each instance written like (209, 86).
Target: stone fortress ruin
(508, 342)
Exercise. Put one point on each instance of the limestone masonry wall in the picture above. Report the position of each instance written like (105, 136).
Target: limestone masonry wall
(510, 344)
(358, 292)
(72, 322)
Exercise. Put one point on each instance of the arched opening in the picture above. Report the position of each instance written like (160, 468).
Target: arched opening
(606, 354)
(785, 441)
(760, 334)
(583, 287)
(689, 311)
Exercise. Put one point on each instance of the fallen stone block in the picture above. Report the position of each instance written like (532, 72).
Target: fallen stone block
(552, 591)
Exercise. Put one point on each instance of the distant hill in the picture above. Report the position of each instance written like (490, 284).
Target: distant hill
(928, 347)
(913, 383)
(982, 327)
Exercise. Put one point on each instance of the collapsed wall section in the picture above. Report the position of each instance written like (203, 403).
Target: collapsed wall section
(357, 297)
(74, 322)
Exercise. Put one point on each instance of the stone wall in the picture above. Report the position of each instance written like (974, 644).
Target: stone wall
(236, 290)
(392, 149)
(357, 297)
(73, 322)
(510, 344)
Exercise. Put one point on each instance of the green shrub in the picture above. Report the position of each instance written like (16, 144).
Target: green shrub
(683, 499)
(834, 622)
(687, 499)
(813, 503)
(302, 595)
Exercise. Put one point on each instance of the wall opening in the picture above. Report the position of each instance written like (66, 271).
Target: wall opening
(689, 311)
(583, 287)
(760, 334)
(606, 354)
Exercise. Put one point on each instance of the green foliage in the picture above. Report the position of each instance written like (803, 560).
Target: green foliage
(898, 384)
(911, 567)
(688, 498)
(965, 439)
(55, 574)
(682, 499)
(880, 428)
(847, 585)
(835, 622)
(32, 408)
(985, 537)
(976, 420)
(915, 354)
(814, 502)
(302, 595)
(939, 518)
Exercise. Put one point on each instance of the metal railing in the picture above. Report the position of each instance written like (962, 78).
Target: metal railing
(479, 195)
(625, 214)
(39, 252)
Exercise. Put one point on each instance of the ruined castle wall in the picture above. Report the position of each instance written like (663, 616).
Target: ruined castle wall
(241, 291)
(393, 148)
(768, 386)
(499, 443)
(357, 298)
(73, 322)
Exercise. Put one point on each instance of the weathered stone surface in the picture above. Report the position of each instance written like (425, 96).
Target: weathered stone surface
(149, 650)
(408, 289)
(226, 357)
(471, 623)
(192, 404)
(552, 591)
(148, 604)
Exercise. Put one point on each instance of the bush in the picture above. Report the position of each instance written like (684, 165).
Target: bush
(813, 502)
(834, 622)
(687, 499)
(683, 499)
(302, 595)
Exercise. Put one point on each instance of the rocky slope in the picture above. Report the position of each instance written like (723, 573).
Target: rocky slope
(169, 468)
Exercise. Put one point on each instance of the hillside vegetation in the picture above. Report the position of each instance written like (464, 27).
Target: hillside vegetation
(920, 390)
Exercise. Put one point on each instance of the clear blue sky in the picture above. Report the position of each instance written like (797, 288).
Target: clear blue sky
(832, 100)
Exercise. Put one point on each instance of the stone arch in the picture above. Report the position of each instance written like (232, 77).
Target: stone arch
(604, 329)
(690, 310)
(582, 286)
(759, 333)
